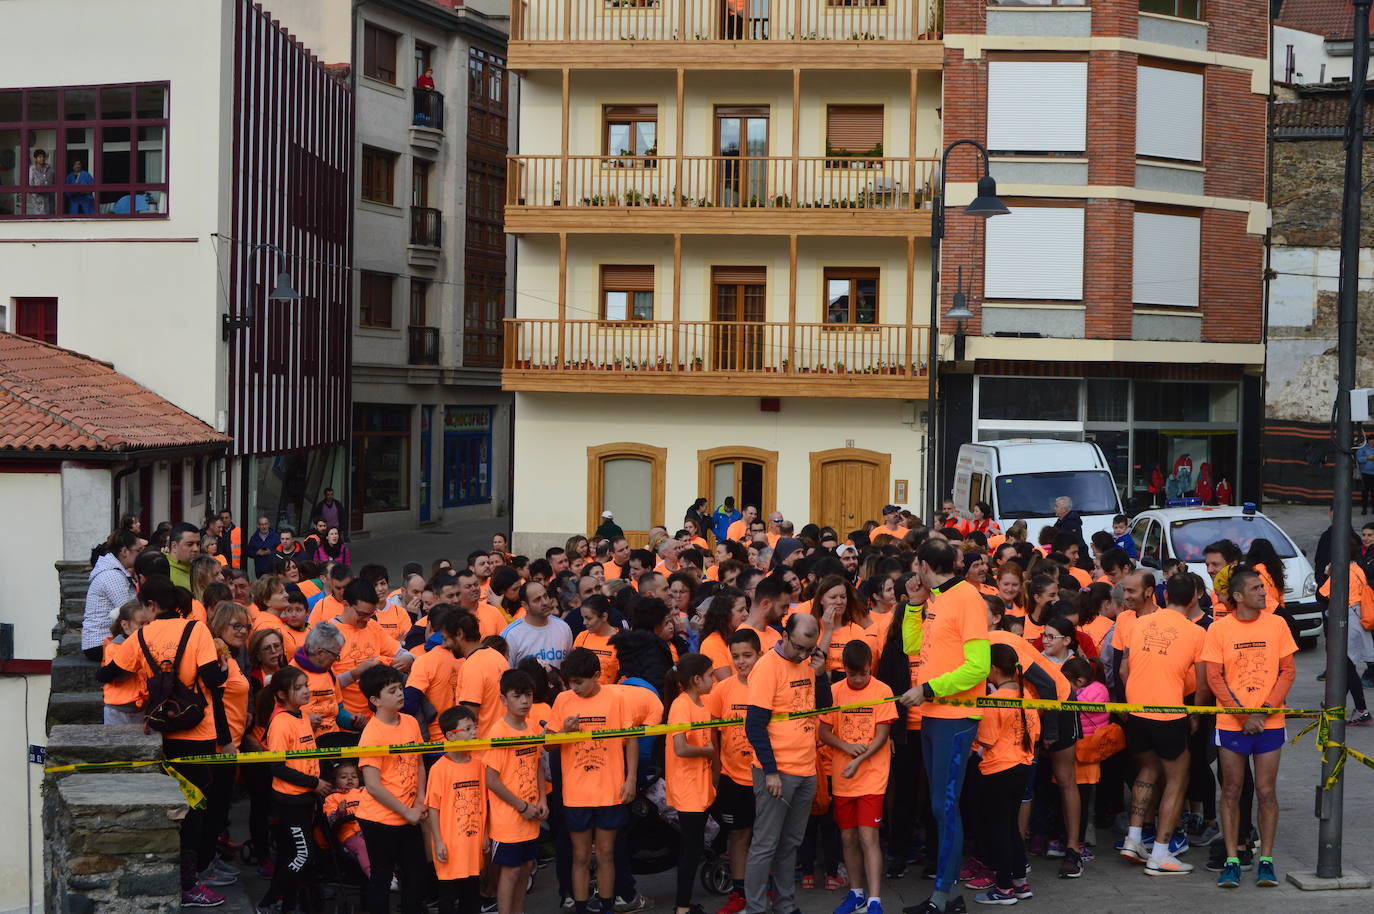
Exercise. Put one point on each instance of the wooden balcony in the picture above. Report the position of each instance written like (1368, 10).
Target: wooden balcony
(726, 34)
(719, 195)
(715, 358)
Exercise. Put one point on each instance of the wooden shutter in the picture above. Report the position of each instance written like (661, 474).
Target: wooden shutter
(1168, 113)
(1037, 106)
(628, 277)
(748, 276)
(1166, 267)
(1035, 252)
(853, 128)
(632, 112)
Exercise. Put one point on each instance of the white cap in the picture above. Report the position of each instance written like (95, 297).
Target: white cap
(606, 514)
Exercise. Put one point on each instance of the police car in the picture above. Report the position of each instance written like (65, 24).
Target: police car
(1185, 527)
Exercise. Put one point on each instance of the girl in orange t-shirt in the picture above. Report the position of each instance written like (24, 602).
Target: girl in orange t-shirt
(341, 809)
(1006, 738)
(124, 697)
(690, 768)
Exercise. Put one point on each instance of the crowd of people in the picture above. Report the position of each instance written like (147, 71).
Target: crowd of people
(897, 625)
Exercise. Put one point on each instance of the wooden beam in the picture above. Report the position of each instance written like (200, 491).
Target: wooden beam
(910, 367)
(562, 296)
(677, 288)
(796, 133)
(775, 56)
(911, 149)
(679, 141)
(564, 194)
(791, 303)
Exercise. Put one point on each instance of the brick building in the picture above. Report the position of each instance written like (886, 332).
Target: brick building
(1129, 142)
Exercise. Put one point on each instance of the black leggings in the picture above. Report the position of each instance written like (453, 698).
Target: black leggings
(196, 842)
(910, 798)
(1353, 684)
(999, 803)
(693, 826)
(460, 896)
(1366, 492)
(257, 780)
(391, 848)
(295, 847)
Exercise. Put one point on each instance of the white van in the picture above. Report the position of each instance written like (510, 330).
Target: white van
(1021, 477)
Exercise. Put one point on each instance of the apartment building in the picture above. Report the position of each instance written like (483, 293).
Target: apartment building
(431, 426)
(1313, 42)
(1121, 301)
(722, 216)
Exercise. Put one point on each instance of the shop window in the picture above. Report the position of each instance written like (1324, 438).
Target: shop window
(1029, 399)
(381, 457)
(467, 455)
(1190, 401)
(628, 480)
(1108, 401)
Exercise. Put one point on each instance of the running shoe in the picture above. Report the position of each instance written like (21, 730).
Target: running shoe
(874, 906)
(488, 905)
(1178, 844)
(1133, 851)
(984, 881)
(734, 904)
(1055, 849)
(567, 904)
(222, 867)
(896, 869)
(808, 881)
(995, 895)
(640, 902)
(209, 878)
(1230, 876)
(955, 905)
(273, 908)
(836, 882)
(198, 896)
(1085, 854)
(853, 901)
(1071, 867)
(972, 869)
(1265, 877)
(1036, 846)
(1358, 719)
(1321, 677)
(1210, 832)
(1169, 866)
(1022, 889)
(1367, 681)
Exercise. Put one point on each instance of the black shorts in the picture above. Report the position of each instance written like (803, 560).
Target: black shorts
(1068, 730)
(1167, 739)
(734, 805)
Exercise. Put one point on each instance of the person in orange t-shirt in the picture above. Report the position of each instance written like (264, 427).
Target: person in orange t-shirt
(596, 636)
(690, 762)
(860, 760)
(365, 645)
(391, 812)
(1159, 668)
(341, 809)
(734, 807)
(124, 699)
(432, 686)
(479, 677)
(515, 779)
(456, 797)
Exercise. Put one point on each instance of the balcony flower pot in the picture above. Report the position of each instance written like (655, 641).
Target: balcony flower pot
(522, 363)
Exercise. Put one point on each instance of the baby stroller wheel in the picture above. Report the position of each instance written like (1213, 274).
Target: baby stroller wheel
(715, 877)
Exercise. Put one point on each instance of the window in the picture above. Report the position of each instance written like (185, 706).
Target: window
(484, 305)
(627, 293)
(419, 302)
(485, 216)
(1168, 112)
(379, 175)
(1184, 9)
(631, 130)
(1023, 399)
(1167, 267)
(1035, 252)
(626, 479)
(108, 141)
(851, 296)
(424, 59)
(379, 54)
(374, 307)
(36, 318)
(1037, 106)
(487, 97)
(467, 455)
(853, 130)
(381, 457)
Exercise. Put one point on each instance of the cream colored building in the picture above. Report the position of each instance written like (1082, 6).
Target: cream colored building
(722, 214)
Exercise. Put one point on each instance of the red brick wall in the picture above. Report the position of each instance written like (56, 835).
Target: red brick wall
(1232, 273)
(1237, 27)
(1234, 122)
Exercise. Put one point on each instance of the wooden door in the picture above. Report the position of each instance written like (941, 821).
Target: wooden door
(742, 150)
(739, 305)
(848, 487)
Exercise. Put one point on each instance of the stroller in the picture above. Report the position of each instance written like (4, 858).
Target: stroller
(656, 842)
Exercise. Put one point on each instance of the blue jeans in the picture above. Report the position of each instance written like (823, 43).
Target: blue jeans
(945, 745)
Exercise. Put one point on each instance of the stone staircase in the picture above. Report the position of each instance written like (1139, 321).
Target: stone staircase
(76, 697)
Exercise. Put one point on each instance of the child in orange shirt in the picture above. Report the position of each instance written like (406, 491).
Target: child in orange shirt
(690, 769)
(515, 779)
(457, 802)
(341, 808)
(394, 805)
(124, 697)
(734, 807)
(295, 614)
(859, 763)
(1006, 738)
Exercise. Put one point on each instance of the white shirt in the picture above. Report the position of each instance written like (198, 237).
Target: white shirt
(548, 643)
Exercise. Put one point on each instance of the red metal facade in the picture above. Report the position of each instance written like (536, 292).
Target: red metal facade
(292, 176)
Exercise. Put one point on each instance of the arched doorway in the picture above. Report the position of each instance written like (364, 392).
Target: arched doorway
(848, 487)
(750, 474)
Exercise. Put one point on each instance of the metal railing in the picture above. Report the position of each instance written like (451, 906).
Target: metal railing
(429, 108)
(424, 345)
(426, 226)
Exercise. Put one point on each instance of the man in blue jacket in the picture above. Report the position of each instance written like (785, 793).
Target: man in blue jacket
(724, 516)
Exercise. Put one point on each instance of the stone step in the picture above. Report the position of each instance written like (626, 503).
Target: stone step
(81, 708)
(69, 744)
(69, 644)
(74, 673)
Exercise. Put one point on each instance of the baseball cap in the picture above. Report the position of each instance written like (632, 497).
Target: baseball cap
(891, 509)
(846, 549)
(607, 514)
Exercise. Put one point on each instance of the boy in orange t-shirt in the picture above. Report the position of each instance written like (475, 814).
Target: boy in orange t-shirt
(859, 763)
(734, 807)
(391, 812)
(456, 798)
(515, 779)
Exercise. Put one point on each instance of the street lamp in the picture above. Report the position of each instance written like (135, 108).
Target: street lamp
(282, 290)
(959, 313)
(985, 204)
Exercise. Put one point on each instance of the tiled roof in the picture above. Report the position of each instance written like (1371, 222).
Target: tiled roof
(1334, 20)
(54, 399)
(1320, 112)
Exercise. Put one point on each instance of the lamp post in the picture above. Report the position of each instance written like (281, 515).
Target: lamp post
(959, 313)
(282, 290)
(985, 204)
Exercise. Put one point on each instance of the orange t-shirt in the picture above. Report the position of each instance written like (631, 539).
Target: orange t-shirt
(1028, 656)
(1125, 621)
(600, 645)
(735, 531)
(957, 615)
(689, 784)
(768, 636)
(324, 700)
(642, 705)
(859, 726)
(479, 683)
(291, 730)
(394, 620)
(291, 640)
(1358, 592)
(1097, 630)
(456, 795)
(1273, 599)
(400, 774)
(518, 769)
(435, 675)
(1082, 577)
(361, 644)
(341, 804)
(1249, 654)
(875, 635)
(1164, 649)
(718, 651)
(778, 684)
(1000, 733)
(326, 609)
(729, 699)
(163, 636)
(491, 620)
(127, 691)
(200, 615)
(236, 702)
(593, 769)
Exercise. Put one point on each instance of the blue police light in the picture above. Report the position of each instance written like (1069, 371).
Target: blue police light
(1248, 508)
(1193, 502)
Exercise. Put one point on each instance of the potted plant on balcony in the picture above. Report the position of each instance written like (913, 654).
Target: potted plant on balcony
(660, 364)
(785, 363)
(698, 364)
(839, 368)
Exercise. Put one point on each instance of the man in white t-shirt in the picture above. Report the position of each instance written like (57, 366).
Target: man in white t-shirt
(538, 633)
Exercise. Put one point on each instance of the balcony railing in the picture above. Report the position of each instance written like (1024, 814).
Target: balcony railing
(726, 20)
(732, 182)
(429, 108)
(426, 226)
(424, 345)
(720, 347)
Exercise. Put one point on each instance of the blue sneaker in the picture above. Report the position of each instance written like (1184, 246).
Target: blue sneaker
(1178, 844)
(995, 895)
(1230, 876)
(1265, 877)
(874, 906)
(853, 901)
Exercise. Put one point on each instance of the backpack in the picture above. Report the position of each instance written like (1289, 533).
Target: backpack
(172, 706)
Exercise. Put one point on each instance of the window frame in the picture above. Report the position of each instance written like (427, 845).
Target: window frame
(999, 225)
(853, 275)
(631, 116)
(1200, 17)
(92, 154)
(23, 308)
(1174, 212)
(995, 144)
(606, 289)
(835, 152)
(379, 157)
(1151, 63)
(372, 63)
(419, 302)
(368, 315)
(597, 455)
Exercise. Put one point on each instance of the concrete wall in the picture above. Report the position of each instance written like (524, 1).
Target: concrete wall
(23, 705)
(1312, 60)
(29, 593)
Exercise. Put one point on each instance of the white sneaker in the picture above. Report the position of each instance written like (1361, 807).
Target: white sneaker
(1133, 851)
(1169, 866)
